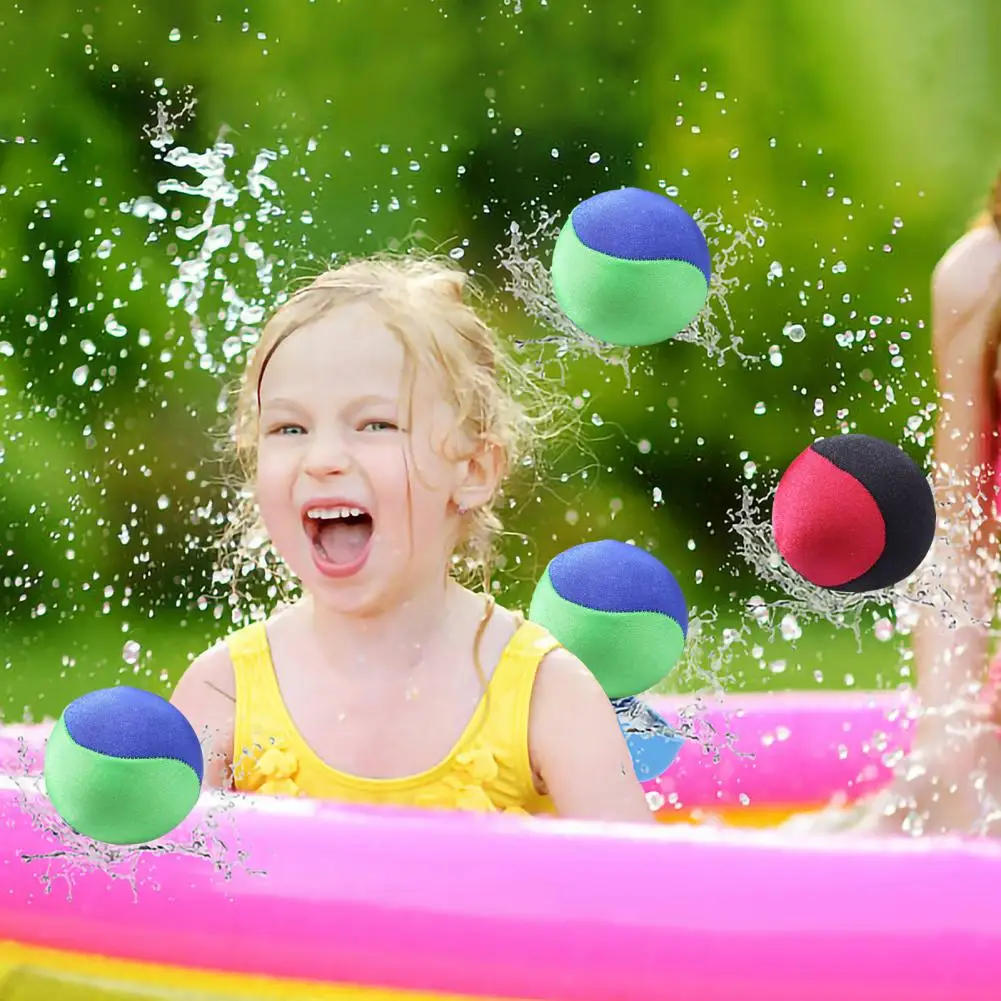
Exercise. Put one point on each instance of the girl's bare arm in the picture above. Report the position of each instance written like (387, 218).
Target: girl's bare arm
(206, 695)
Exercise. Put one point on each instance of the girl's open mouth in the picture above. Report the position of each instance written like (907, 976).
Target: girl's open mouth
(340, 535)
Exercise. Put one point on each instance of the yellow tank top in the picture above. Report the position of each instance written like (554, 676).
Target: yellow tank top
(488, 769)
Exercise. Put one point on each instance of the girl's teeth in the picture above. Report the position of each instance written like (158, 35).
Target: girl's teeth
(339, 512)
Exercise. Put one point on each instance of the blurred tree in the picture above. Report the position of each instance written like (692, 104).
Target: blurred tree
(862, 135)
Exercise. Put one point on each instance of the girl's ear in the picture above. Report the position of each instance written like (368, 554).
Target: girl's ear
(480, 475)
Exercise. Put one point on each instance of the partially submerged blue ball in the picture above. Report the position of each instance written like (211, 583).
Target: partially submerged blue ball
(618, 609)
(653, 743)
(631, 267)
(123, 766)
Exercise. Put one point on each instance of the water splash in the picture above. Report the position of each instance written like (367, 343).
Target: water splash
(928, 588)
(212, 841)
(199, 272)
(530, 284)
(706, 667)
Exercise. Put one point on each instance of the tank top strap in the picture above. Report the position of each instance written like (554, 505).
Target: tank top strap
(260, 714)
(521, 658)
(509, 697)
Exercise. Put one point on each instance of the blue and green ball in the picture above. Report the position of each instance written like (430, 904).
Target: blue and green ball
(631, 267)
(123, 766)
(620, 611)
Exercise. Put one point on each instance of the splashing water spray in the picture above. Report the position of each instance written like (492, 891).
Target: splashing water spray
(524, 257)
(529, 283)
(211, 237)
(223, 257)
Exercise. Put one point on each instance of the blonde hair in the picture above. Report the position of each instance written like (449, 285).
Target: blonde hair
(423, 299)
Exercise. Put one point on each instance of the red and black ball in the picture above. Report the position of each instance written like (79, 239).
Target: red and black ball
(853, 513)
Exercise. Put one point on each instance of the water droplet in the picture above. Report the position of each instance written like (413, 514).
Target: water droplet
(760, 408)
(735, 152)
(80, 375)
(131, 652)
(775, 356)
(216, 238)
(175, 35)
(883, 630)
(594, 158)
(231, 347)
(796, 332)
(113, 327)
(790, 628)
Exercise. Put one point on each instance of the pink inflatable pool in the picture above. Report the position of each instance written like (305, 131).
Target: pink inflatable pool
(329, 901)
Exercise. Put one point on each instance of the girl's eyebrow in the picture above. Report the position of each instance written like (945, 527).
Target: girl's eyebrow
(279, 402)
(371, 398)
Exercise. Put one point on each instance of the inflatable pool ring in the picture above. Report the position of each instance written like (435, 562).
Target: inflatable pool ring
(631, 267)
(326, 901)
(123, 766)
(620, 611)
(853, 513)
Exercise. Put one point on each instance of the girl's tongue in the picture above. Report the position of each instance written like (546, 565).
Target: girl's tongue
(343, 540)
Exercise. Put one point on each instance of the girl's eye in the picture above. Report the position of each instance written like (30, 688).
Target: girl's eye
(285, 429)
(379, 426)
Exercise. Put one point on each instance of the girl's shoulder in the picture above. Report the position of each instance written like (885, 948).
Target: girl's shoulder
(212, 667)
(215, 666)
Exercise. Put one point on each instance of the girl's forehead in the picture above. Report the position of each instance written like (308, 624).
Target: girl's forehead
(347, 346)
(346, 354)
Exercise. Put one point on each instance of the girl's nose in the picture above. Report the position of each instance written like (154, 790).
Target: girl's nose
(328, 454)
